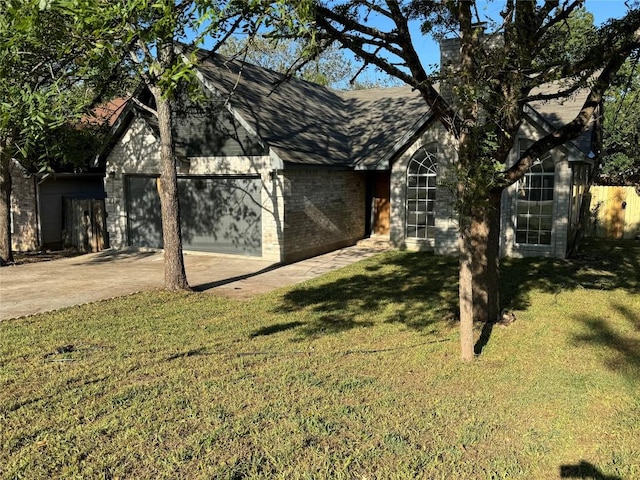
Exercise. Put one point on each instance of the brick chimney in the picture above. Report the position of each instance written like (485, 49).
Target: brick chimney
(450, 61)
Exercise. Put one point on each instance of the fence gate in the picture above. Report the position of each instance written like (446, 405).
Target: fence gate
(615, 212)
(84, 226)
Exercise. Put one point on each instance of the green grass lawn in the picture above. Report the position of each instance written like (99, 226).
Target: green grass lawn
(353, 375)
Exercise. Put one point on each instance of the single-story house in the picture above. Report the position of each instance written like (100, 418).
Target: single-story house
(285, 170)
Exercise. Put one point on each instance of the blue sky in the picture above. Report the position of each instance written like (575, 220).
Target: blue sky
(429, 50)
(602, 11)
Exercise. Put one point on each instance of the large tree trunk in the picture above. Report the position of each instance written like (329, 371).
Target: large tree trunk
(465, 292)
(485, 257)
(175, 277)
(479, 290)
(6, 255)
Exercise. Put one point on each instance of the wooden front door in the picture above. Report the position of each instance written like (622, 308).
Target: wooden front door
(381, 204)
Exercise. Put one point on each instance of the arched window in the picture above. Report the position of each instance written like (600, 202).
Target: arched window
(421, 194)
(534, 204)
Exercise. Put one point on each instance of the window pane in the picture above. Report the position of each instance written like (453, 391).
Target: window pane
(431, 220)
(522, 222)
(535, 181)
(546, 223)
(546, 209)
(545, 238)
(431, 206)
(421, 194)
(534, 223)
(546, 194)
(522, 207)
(534, 203)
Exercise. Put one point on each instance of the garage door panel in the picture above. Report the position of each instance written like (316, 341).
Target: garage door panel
(143, 207)
(220, 215)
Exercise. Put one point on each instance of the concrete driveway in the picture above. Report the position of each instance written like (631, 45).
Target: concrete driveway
(45, 286)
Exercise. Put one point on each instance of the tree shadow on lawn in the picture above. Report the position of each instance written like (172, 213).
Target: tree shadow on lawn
(624, 352)
(600, 265)
(585, 469)
(415, 289)
(420, 289)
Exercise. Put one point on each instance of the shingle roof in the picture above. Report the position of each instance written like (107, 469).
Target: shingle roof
(379, 118)
(303, 122)
(310, 124)
(559, 112)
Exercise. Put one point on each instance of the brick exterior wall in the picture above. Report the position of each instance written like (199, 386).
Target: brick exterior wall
(137, 152)
(24, 208)
(561, 207)
(324, 210)
(446, 237)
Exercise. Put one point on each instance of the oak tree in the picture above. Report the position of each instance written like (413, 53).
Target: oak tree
(621, 124)
(500, 69)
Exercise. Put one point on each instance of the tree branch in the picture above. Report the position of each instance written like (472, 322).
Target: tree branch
(570, 130)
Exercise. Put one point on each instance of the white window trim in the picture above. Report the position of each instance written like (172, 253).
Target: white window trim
(430, 152)
(535, 246)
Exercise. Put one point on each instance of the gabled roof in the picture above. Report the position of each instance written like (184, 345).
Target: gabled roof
(303, 122)
(382, 121)
(558, 112)
(309, 124)
(107, 113)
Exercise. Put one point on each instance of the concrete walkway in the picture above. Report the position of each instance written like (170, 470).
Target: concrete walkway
(45, 286)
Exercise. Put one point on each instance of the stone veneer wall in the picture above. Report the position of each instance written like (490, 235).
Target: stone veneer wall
(24, 210)
(324, 210)
(446, 238)
(137, 152)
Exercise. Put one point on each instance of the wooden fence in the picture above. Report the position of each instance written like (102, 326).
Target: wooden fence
(84, 224)
(615, 212)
